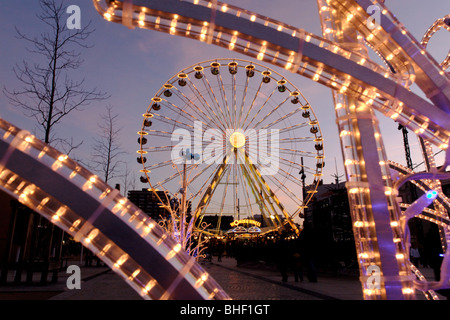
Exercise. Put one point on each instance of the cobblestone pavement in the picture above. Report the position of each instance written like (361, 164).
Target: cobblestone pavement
(245, 287)
(248, 282)
(328, 287)
(255, 282)
(241, 283)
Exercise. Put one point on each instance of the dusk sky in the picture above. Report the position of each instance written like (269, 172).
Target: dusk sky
(132, 65)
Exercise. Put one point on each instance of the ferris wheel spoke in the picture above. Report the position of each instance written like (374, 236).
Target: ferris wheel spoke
(161, 164)
(288, 176)
(285, 189)
(297, 166)
(222, 204)
(198, 174)
(158, 133)
(224, 100)
(244, 95)
(290, 128)
(243, 185)
(158, 149)
(173, 176)
(292, 178)
(296, 139)
(213, 111)
(233, 99)
(271, 112)
(252, 104)
(259, 110)
(179, 110)
(193, 107)
(172, 122)
(214, 108)
(169, 149)
(284, 134)
(235, 177)
(283, 118)
(291, 163)
(294, 153)
(243, 190)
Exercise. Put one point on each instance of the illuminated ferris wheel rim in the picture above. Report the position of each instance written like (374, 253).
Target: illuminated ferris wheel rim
(208, 64)
(251, 69)
(249, 66)
(182, 74)
(264, 71)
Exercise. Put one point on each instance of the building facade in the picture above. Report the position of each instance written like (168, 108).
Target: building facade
(149, 203)
(31, 248)
(329, 223)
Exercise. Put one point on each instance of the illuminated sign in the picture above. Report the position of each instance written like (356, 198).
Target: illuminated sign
(245, 221)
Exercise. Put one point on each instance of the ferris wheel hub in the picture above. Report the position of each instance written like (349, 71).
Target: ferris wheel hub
(237, 139)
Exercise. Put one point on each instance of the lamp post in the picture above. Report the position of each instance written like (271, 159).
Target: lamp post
(185, 228)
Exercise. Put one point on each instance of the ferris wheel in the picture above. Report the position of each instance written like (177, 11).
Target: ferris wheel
(232, 138)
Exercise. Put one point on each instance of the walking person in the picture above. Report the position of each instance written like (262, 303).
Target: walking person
(220, 250)
(297, 264)
(283, 258)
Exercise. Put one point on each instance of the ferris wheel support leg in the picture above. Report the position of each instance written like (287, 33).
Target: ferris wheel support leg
(259, 197)
(258, 177)
(206, 197)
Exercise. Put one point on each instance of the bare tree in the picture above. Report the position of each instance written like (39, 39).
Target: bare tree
(128, 180)
(106, 156)
(49, 93)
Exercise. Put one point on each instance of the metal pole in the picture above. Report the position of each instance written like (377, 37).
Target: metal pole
(183, 208)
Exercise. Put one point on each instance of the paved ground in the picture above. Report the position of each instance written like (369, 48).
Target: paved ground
(249, 282)
(254, 282)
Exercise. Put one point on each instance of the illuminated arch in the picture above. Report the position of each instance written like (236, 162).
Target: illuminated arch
(359, 86)
(309, 55)
(98, 216)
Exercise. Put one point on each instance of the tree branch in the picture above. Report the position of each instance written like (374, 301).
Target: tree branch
(47, 94)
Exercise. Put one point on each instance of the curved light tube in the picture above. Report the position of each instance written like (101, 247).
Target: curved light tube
(303, 53)
(108, 224)
(419, 209)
